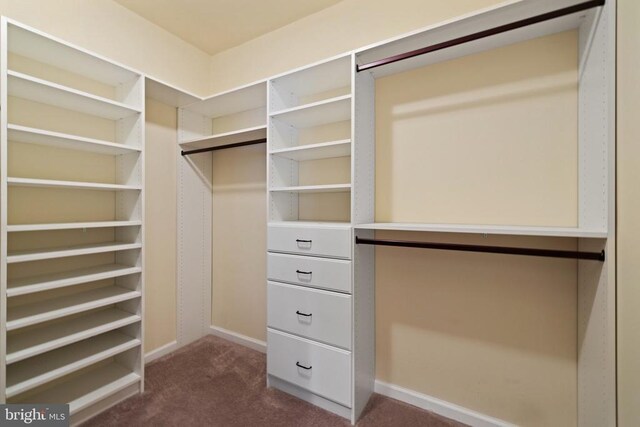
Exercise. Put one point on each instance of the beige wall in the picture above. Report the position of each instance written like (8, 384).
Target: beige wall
(160, 225)
(109, 29)
(628, 213)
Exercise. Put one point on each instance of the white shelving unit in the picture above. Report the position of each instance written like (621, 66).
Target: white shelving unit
(71, 331)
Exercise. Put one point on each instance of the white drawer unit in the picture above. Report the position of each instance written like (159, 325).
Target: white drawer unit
(326, 240)
(321, 369)
(318, 315)
(326, 273)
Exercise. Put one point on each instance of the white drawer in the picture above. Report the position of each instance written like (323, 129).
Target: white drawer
(329, 240)
(324, 273)
(319, 315)
(329, 369)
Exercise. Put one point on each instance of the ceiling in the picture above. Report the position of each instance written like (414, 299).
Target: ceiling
(217, 25)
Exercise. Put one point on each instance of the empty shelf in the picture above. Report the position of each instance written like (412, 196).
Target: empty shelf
(332, 188)
(318, 113)
(243, 135)
(39, 370)
(34, 89)
(68, 278)
(29, 135)
(45, 338)
(71, 225)
(88, 388)
(487, 229)
(325, 150)
(40, 254)
(74, 185)
(42, 311)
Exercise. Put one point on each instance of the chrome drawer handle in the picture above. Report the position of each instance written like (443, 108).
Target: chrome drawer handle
(302, 366)
(299, 313)
(304, 272)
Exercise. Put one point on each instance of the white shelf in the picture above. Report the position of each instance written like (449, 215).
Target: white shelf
(317, 113)
(27, 135)
(488, 229)
(42, 311)
(47, 282)
(317, 78)
(332, 188)
(62, 252)
(242, 135)
(34, 372)
(247, 98)
(88, 388)
(27, 87)
(168, 94)
(71, 225)
(311, 224)
(45, 338)
(325, 150)
(73, 185)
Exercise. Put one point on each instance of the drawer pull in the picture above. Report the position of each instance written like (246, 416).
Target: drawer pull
(303, 241)
(299, 313)
(302, 366)
(304, 272)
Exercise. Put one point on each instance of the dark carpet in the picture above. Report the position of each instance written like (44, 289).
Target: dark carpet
(213, 382)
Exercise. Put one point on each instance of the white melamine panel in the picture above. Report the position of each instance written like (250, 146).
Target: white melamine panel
(71, 225)
(37, 255)
(331, 110)
(167, 94)
(325, 150)
(47, 282)
(246, 98)
(310, 313)
(50, 183)
(28, 135)
(41, 339)
(43, 311)
(329, 375)
(328, 241)
(90, 387)
(39, 370)
(242, 135)
(329, 188)
(44, 92)
(326, 273)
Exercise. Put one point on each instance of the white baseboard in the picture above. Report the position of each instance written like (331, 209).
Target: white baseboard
(438, 406)
(237, 338)
(160, 351)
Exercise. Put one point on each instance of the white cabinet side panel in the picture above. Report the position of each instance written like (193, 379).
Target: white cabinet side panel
(3, 207)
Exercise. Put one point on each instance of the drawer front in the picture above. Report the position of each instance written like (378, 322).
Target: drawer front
(329, 373)
(334, 274)
(319, 315)
(330, 242)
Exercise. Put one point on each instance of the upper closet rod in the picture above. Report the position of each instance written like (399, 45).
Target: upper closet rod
(223, 147)
(552, 253)
(482, 34)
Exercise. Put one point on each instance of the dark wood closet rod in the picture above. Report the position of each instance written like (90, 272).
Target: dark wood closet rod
(224, 147)
(482, 34)
(551, 253)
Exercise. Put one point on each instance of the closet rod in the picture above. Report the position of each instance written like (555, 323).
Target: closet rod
(224, 147)
(482, 34)
(552, 253)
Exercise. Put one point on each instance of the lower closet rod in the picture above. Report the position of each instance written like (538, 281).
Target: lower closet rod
(552, 253)
(223, 147)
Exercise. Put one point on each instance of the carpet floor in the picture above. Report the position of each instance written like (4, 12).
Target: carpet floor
(213, 382)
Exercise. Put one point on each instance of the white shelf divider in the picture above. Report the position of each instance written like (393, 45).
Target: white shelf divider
(38, 255)
(488, 229)
(331, 188)
(43, 311)
(71, 225)
(28, 135)
(39, 370)
(242, 135)
(324, 150)
(47, 282)
(317, 113)
(72, 185)
(89, 388)
(38, 90)
(41, 339)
